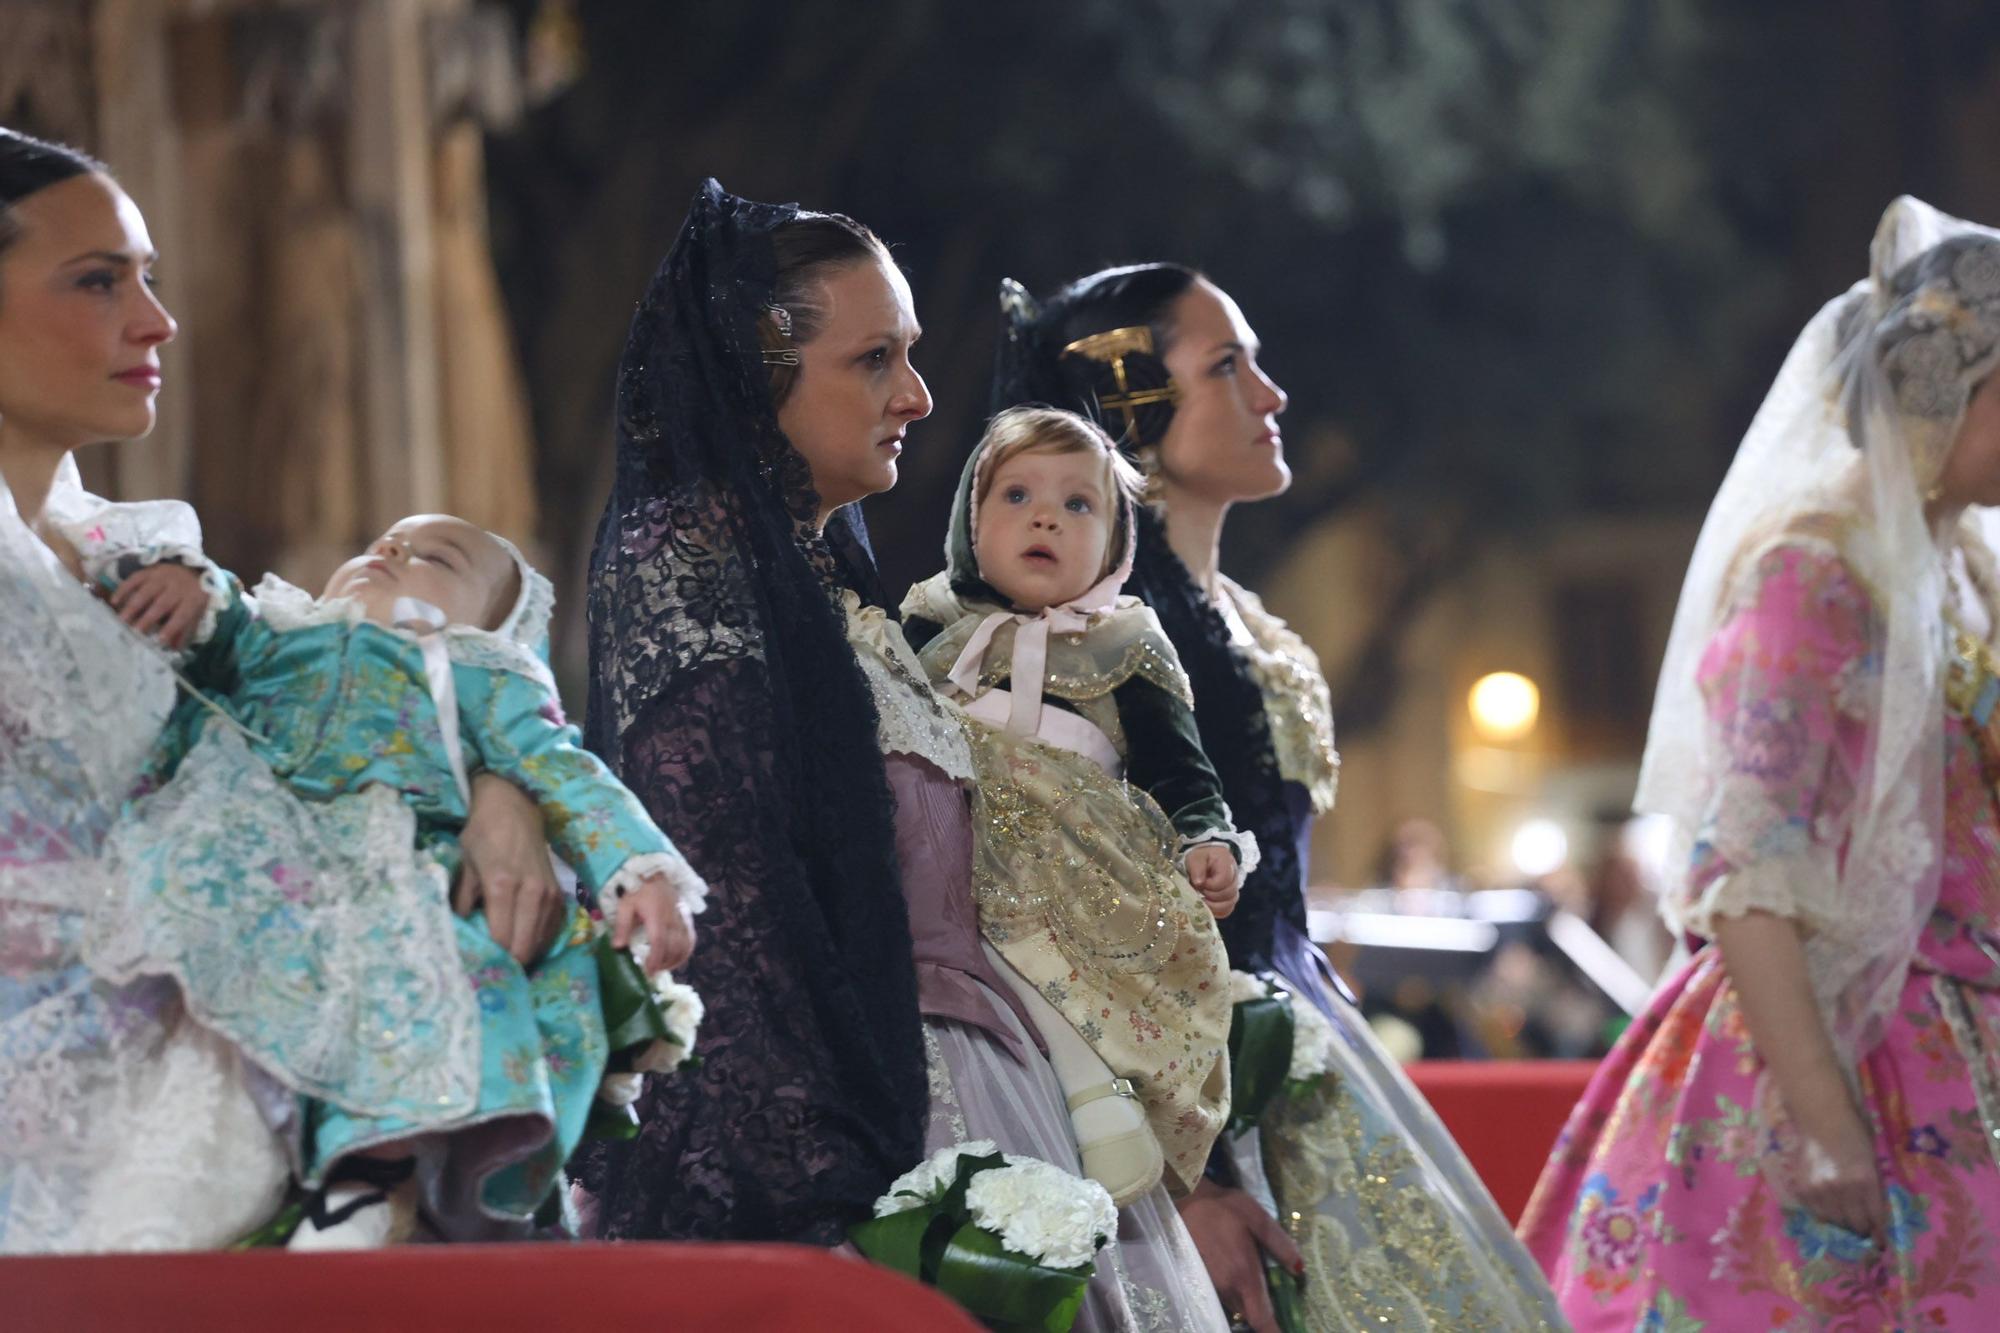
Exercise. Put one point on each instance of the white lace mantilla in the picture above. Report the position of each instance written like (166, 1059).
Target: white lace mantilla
(913, 719)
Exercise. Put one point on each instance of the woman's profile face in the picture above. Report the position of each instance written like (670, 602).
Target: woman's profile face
(1223, 443)
(1971, 472)
(856, 392)
(80, 327)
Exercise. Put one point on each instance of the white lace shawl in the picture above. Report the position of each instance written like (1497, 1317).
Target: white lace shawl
(126, 1126)
(912, 719)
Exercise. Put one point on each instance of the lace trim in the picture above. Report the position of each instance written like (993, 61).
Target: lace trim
(148, 532)
(691, 887)
(77, 691)
(1296, 700)
(1144, 659)
(1121, 643)
(106, 565)
(1244, 843)
(912, 719)
(1780, 885)
(285, 607)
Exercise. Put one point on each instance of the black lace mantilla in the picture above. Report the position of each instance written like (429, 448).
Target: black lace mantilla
(724, 693)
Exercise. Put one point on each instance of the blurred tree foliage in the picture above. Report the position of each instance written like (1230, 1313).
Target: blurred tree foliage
(1513, 259)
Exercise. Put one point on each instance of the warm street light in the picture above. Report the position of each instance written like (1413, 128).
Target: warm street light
(1504, 706)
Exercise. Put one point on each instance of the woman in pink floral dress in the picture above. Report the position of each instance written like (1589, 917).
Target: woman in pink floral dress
(1803, 1130)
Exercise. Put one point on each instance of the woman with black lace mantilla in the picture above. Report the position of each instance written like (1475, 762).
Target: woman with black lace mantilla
(749, 684)
(1394, 1228)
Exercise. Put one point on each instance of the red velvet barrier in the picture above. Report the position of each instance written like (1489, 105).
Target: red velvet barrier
(550, 1288)
(1505, 1114)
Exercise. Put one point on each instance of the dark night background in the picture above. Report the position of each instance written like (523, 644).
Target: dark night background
(1512, 259)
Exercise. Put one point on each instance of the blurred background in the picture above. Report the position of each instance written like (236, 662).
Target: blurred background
(1525, 267)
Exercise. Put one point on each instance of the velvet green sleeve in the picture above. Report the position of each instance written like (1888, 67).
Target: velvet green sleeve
(917, 631)
(1163, 756)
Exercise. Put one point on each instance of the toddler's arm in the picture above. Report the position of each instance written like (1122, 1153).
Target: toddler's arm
(1164, 758)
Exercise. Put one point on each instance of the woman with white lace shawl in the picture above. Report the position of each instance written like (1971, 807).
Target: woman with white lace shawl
(1803, 1129)
(125, 1122)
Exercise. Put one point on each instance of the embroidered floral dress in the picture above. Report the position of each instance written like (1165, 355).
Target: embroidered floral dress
(1658, 1209)
(124, 1123)
(276, 874)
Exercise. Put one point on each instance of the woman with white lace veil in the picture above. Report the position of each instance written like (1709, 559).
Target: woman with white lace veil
(1806, 1121)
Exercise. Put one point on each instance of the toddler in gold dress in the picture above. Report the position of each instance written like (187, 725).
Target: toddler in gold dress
(1104, 848)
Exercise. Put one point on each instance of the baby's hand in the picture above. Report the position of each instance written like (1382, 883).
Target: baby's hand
(165, 601)
(1212, 871)
(656, 907)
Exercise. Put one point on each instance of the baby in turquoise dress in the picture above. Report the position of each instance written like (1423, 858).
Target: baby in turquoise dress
(289, 867)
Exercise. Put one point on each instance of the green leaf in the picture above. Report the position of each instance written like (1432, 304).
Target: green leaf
(897, 1241)
(1009, 1289)
(1260, 1057)
(632, 1017)
(952, 1204)
(1287, 1297)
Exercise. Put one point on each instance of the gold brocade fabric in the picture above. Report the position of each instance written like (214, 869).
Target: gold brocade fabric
(1296, 700)
(1120, 644)
(1382, 1250)
(1074, 874)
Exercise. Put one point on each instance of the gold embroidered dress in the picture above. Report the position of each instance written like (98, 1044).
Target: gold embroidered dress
(1076, 870)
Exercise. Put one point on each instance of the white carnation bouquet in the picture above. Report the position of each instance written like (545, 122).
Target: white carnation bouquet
(1013, 1239)
(682, 1011)
(650, 1025)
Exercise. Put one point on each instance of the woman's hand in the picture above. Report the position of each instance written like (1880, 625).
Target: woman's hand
(1838, 1179)
(1232, 1233)
(655, 906)
(164, 601)
(506, 869)
(1212, 872)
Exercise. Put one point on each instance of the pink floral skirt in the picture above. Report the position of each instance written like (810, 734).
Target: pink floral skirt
(1655, 1212)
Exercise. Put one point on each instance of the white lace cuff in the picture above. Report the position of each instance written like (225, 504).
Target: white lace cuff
(1796, 887)
(692, 888)
(103, 562)
(1243, 844)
